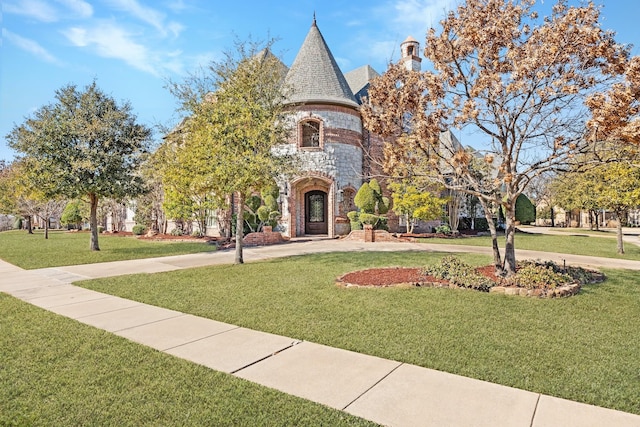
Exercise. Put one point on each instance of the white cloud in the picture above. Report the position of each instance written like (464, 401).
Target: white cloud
(44, 11)
(30, 46)
(35, 9)
(177, 6)
(149, 15)
(79, 8)
(417, 16)
(110, 41)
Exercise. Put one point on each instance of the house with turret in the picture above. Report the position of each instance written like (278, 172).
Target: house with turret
(338, 154)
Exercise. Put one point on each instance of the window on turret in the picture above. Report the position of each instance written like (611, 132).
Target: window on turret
(310, 133)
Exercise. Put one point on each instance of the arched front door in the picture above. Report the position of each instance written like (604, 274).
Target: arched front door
(315, 208)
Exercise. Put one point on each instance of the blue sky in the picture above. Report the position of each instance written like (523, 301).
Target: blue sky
(131, 47)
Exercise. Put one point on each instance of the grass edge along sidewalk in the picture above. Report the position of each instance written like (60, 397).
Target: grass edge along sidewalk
(31, 251)
(582, 348)
(56, 371)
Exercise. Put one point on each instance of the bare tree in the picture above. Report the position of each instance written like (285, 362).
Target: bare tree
(517, 80)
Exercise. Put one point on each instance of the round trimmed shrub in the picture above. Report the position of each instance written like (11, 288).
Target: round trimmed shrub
(138, 229)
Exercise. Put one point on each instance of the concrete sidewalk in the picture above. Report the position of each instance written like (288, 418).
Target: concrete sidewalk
(383, 391)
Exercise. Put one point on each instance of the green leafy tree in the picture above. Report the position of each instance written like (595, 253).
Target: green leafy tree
(414, 204)
(618, 191)
(75, 213)
(187, 190)
(24, 191)
(84, 145)
(236, 119)
(577, 190)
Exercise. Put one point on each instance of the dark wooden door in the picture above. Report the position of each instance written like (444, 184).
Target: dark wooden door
(315, 207)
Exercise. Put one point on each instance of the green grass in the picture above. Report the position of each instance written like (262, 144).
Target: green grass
(58, 372)
(603, 232)
(575, 245)
(31, 251)
(582, 348)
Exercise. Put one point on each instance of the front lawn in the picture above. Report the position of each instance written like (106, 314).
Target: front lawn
(57, 372)
(583, 348)
(574, 245)
(31, 251)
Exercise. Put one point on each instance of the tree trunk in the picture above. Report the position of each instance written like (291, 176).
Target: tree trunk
(509, 247)
(239, 227)
(553, 217)
(409, 225)
(28, 222)
(619, 233)
(93, 220)
(46, 228)
(497, 259)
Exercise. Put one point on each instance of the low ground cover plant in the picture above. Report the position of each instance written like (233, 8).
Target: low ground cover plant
(531, 274)
(459, 273)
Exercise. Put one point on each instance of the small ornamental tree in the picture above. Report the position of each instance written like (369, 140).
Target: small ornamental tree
(372, 206)
(415, 205)
(86, 145)
(262, 210)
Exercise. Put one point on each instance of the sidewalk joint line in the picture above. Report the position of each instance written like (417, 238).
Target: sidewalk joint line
(201, 338)
(103, 312)
(293, 344)
(535, 409)
(370, 388)
(65, 304)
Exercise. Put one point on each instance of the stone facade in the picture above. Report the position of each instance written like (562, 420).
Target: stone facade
(336, 153)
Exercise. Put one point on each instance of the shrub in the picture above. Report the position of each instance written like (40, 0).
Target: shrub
(138, 229)
(371, 206)
(354, 219)
(365, 198)
(481, 224)
(525, 210)
(176, 232)
(459, 273)
(547, 275)
(197, 233)
(100, 229)
(443, 229)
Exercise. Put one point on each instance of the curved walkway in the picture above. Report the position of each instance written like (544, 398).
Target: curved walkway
(384, 391)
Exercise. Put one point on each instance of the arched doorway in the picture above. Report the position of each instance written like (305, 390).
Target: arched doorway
(316, 219)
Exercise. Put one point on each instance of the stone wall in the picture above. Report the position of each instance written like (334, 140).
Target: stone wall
(266, 237)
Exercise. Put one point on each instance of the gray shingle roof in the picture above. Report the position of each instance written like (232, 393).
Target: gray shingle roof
(359, 79)
(315, 75)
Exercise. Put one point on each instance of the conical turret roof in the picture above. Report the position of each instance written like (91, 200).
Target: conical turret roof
(315, 76)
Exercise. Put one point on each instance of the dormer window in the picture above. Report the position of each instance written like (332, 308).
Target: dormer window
(309, 134)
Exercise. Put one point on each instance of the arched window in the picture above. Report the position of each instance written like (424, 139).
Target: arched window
(310, 133)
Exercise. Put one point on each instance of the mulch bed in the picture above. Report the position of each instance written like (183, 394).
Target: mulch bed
(413, 277)
(390, 276)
